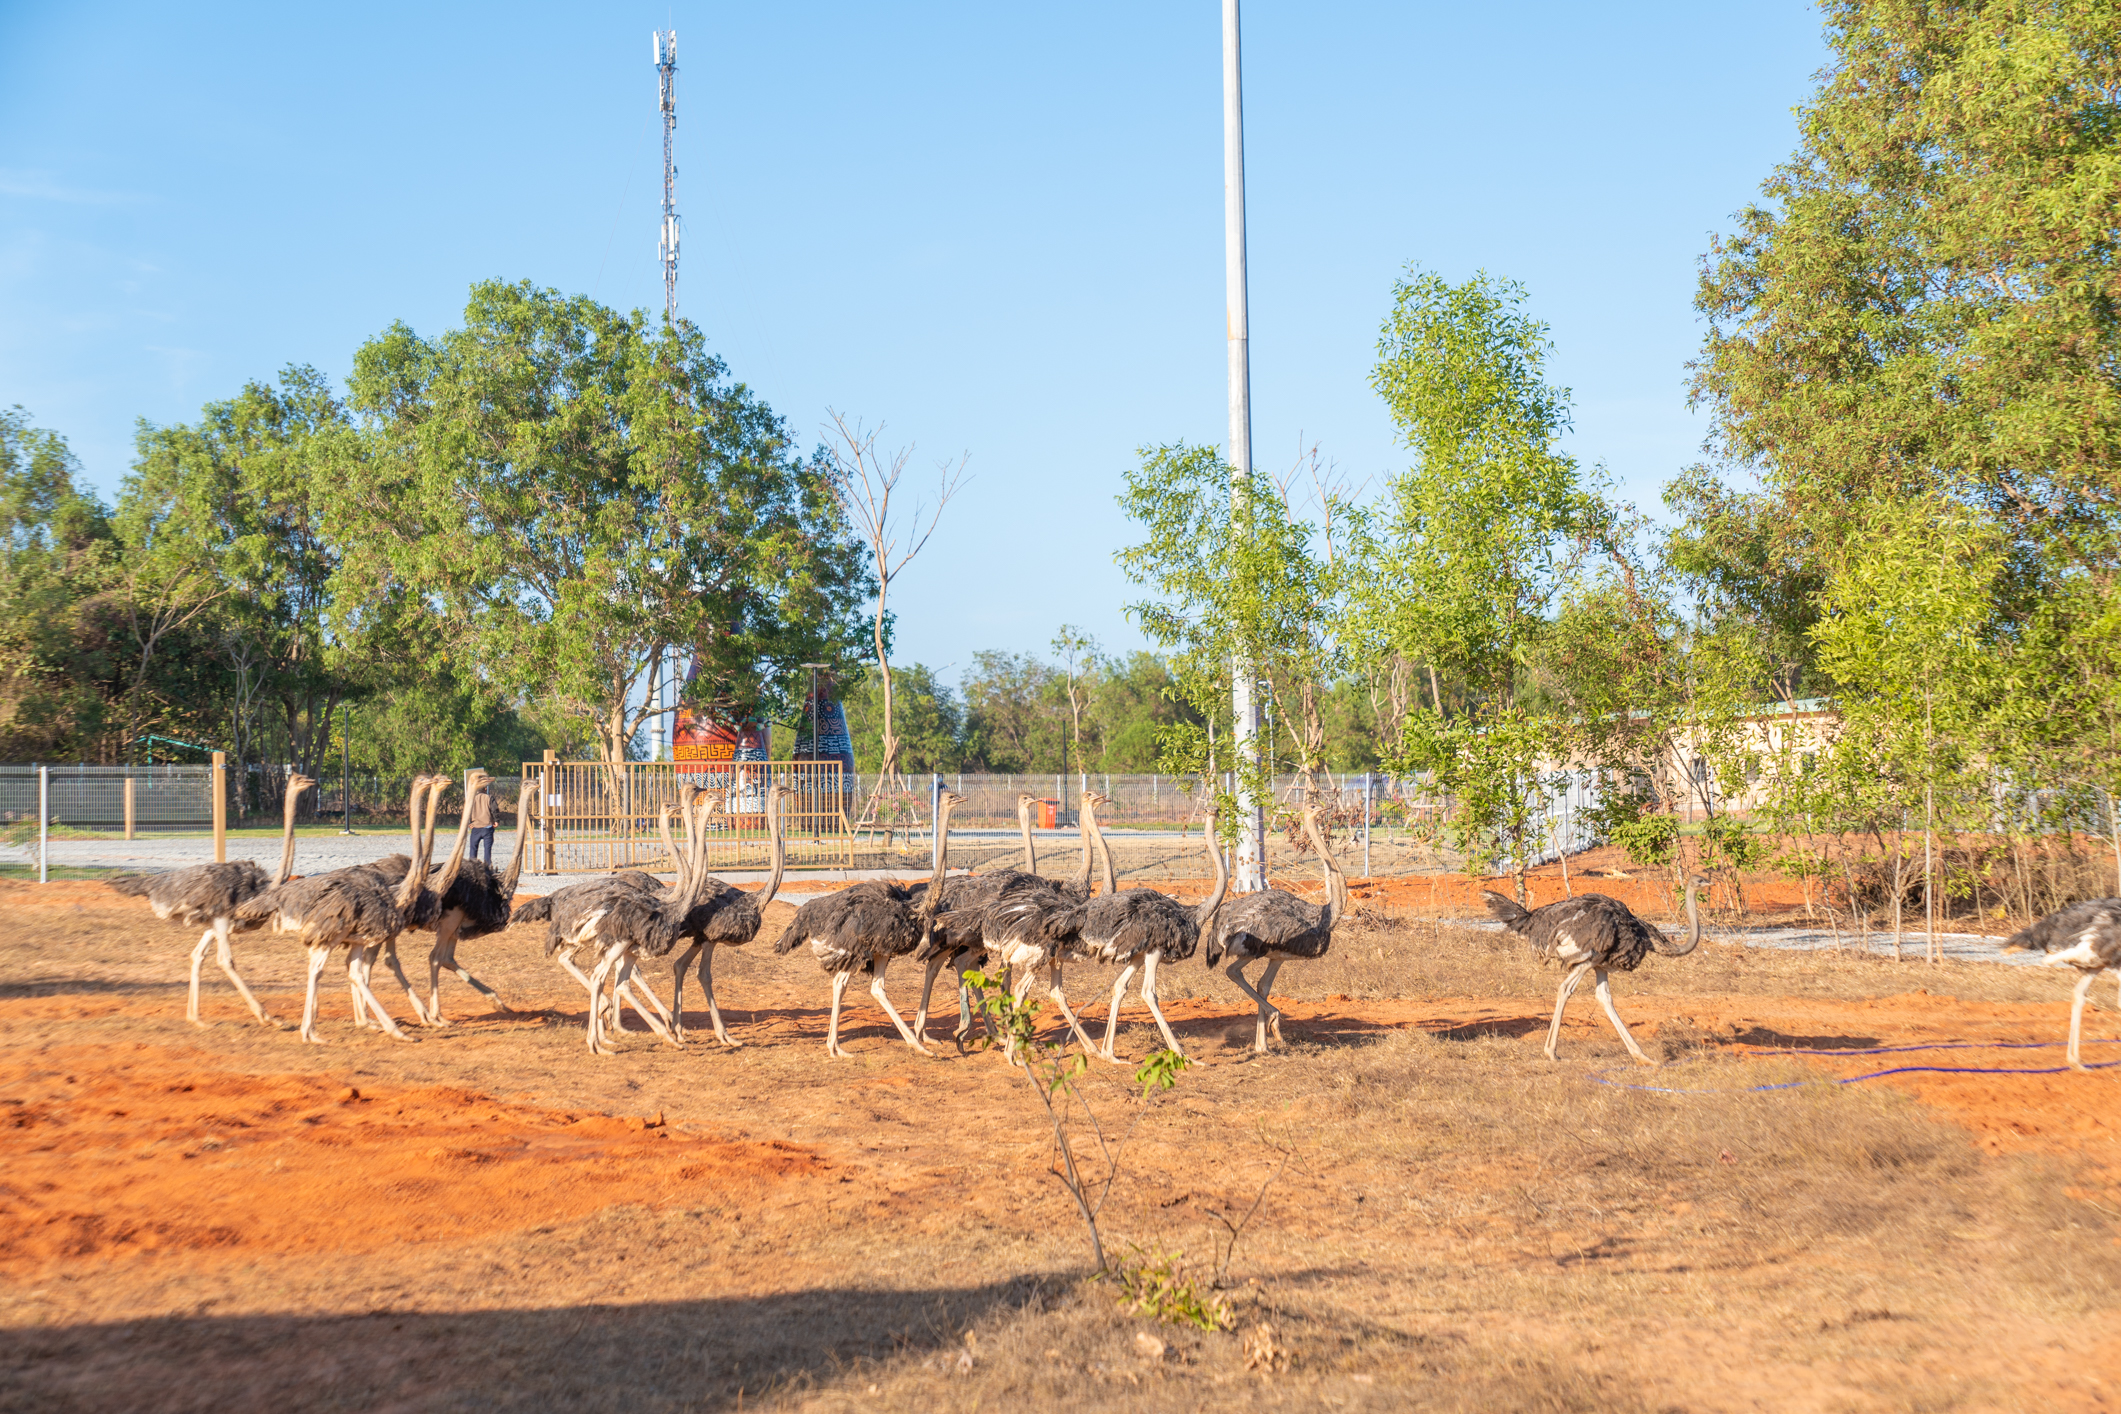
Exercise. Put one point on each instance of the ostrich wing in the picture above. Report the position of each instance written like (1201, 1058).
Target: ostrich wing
(1276, 921)
(2093, 926)
(197, 894)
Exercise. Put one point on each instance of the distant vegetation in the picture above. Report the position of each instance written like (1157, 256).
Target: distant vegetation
(1911, 506)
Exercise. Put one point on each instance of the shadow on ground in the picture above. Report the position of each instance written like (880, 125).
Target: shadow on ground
(691, 1354)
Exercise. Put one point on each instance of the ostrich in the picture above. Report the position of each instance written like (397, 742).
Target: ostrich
(206, 895)
(1142, 927)
(864, 927)
(565, 912)
(2086, 936)
(426, 909)
(351, 908)
(1033, 927)
(1277, 925)
(636, 923)
(957, 938)
(478, 903)
(1593, 933)
(726, 917)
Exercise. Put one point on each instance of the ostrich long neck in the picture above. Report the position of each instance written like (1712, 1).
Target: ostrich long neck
(1104, 851)
(1080, 882)
(677, 860)
(1023, 822)
(777, 844)
(691, 799)
(934, 897)
(416, 870)
(1336, 887)
(1205, 910)
(455, 861)
(515, 861)
(287, 838)
(1693, 918)
(696, 869)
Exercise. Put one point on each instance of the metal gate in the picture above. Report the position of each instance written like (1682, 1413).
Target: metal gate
(593, 817)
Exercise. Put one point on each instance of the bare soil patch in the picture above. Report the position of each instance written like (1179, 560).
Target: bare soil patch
(493, 1218)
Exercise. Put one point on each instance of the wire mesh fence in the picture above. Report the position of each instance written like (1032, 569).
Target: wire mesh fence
(1146, 800)
(111, 797)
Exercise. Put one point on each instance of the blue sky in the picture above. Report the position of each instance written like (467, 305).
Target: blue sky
(996, 229)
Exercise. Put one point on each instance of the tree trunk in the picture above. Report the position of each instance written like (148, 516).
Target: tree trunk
(887, 765)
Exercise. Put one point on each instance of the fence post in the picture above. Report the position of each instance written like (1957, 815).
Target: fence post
(44, 816)
(545, 811)
(128, 807)
(935, 817)
(1366, 824)
(220, 807)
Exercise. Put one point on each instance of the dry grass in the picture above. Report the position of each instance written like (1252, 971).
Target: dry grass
(1462, 1226)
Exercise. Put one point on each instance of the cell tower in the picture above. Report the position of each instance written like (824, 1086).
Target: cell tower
(666, 76)
(663, 678)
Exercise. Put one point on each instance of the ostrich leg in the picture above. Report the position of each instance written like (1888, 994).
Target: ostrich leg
(227, 963)
(876, 989)
(390, 955)
(936, 964)
(358, 967)
(1605, 999)
(1119, 989)
(1149, 996)
(2076, 1021)
(714, 1010)
(1561, 1002)
(1236, 973)
(832, 1032)
(198, 957)
(1017, 993)
(442, 957)
(678, 970)
(628, 975)
(1060, 999)
(317, 958)
(965, 1014)
(1266, 993)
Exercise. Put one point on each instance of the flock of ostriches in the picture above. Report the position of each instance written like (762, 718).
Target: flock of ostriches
(1014, 922)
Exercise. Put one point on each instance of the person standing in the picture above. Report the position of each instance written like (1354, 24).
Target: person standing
(480, 820)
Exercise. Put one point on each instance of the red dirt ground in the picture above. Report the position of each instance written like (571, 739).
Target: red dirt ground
(140, 1160)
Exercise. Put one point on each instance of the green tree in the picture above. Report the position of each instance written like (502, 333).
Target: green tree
(1906, 622)
(1014, 717)
(585, 493)
(1079, 670)
(1461, 566)
(928, 719)
(1237, 577)
(1923, 300)
(240, 488)
(60, 655)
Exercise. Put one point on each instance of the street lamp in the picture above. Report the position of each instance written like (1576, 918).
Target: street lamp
(346, 775)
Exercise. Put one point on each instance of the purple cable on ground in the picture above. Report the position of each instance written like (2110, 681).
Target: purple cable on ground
(1599, 1076)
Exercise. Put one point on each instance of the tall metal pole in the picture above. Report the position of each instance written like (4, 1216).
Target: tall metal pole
(346, 776)
(1252, 822)
(666, 74)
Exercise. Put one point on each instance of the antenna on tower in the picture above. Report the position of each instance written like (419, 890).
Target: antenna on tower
(666, 75)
